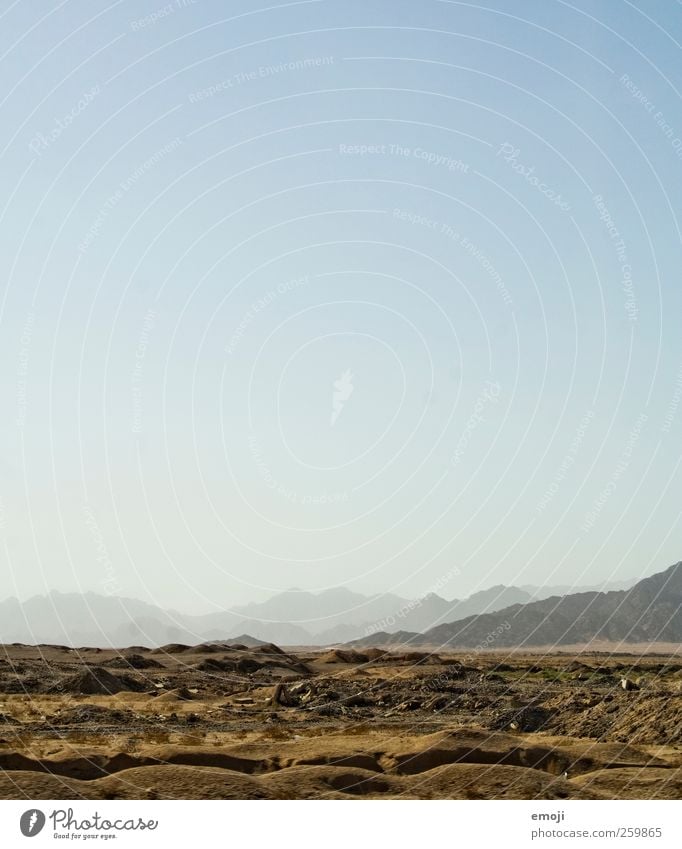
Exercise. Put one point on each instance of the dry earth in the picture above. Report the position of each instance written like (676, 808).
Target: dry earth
(231, 722)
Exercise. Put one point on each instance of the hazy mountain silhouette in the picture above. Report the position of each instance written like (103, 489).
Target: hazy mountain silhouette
(433, 610)
(294, 617)
(319, 612)
(538, 593)
(650, 611)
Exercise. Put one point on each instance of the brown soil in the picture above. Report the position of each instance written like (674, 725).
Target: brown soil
(219, 721)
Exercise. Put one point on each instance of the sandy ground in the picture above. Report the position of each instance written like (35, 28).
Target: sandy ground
(231, 722)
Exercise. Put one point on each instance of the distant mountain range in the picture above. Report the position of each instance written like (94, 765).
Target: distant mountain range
(650, 611)
(294, 617)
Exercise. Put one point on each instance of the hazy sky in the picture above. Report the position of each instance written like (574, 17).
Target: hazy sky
(365, 292)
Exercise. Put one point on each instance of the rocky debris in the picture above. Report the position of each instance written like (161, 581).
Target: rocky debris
(409, 705)
(444, 681)
(628, 684)
(438, 703)
(527, 719)
(358, 700)
(644, 717)
(520, 694)
(329, 710)
(281, 696)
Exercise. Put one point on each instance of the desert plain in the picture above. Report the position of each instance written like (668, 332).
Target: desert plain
(254, 721)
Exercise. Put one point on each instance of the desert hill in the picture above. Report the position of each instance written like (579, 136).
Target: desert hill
(294, 617)
(648, 612)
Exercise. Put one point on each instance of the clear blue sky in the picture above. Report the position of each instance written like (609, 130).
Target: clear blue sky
(383, 294)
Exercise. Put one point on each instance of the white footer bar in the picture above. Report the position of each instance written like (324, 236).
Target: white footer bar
(332, 824)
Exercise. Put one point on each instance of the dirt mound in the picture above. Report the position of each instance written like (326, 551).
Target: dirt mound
(152, 782)
(375, 654)
(96, 681)
(172, 648)
(269, 648)
(180, 694)
(477, 781)
(344, 656)
(633, 782)
(244, 641)
(208, 648)
(459, 781)
(415, 657)
(216, 664)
